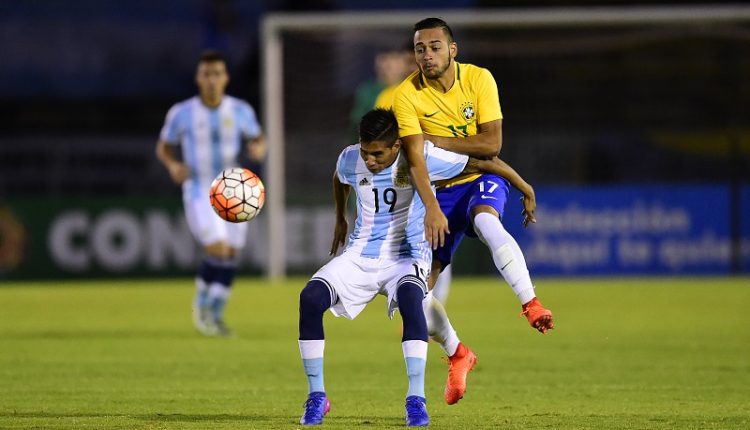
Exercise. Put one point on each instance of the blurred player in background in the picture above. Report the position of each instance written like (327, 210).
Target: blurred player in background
(391, 67)
(457, 106)
(212, 129)
(399, 63)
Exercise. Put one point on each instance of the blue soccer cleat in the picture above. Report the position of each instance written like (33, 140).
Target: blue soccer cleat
(316, 406)
(416, 412)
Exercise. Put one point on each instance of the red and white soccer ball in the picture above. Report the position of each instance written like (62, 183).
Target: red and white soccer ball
(237, 194)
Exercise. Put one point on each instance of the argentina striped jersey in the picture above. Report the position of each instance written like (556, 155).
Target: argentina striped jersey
(211, 138)
(390, 215)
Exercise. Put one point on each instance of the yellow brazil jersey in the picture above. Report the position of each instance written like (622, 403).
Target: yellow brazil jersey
(473, 99)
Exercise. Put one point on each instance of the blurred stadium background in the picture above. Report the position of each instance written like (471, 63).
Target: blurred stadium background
(636, 136)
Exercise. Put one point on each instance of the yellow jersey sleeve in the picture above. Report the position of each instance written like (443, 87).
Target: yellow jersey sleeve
(488, 102)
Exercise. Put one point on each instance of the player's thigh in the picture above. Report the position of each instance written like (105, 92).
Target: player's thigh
(454, 202)
(209, 229)
(353, 281)
(488, 192)
(407, 270)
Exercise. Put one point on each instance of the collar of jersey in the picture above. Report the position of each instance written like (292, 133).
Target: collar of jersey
(457, 75)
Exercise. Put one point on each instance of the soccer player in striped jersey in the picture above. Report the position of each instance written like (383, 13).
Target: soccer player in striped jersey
(457, 107)
(212, 129)
(386, 254)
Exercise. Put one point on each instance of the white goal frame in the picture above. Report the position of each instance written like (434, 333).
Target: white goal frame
(275, 24)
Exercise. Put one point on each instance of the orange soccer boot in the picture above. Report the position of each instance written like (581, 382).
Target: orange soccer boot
(539, 317)
(461, 363)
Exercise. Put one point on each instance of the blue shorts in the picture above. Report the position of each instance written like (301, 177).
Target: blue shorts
(456, 203)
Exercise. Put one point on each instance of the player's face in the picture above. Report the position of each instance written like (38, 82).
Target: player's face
(378, 154)
(433, 52)
(212, 79)
(391, 67)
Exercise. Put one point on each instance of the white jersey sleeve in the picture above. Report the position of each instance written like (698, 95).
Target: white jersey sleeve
(442, 164)
(174, 125)
(247, 121)
(346, 165)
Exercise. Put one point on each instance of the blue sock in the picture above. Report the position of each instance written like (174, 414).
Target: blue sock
(410, 296)
(415, 371)
(205, 276)
(314, 300)
(220, 290)
(414, 340)
(201, 298)
(217, 308)
(314, 372)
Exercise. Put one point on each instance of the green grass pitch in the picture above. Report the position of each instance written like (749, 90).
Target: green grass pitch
(656, 353)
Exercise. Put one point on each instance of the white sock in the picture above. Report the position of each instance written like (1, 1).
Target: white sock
(443, 285)
(439, 326)
(506, 254)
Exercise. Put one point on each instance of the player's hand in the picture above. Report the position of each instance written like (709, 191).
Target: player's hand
(179, 172)
(529, 206)
(339, 235)
(256, 150)
(435, 227)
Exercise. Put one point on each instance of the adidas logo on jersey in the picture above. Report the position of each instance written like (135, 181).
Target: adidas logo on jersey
(364, 182)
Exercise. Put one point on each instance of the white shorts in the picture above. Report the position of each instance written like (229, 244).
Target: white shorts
(356, 281)
(208, 228)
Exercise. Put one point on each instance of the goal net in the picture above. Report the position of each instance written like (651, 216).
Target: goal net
(569, 81)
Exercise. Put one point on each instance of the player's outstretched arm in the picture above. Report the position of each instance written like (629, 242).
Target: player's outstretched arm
(485, 144)
(435, 222)
(178, 171)
(340, 196)
(499, 167)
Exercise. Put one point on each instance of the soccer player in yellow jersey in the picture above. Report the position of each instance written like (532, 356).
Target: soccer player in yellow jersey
(457, 107)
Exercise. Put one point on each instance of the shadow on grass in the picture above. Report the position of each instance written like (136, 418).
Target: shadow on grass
(348, 420)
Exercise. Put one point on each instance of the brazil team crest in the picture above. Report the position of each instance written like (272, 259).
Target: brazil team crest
(467, 111)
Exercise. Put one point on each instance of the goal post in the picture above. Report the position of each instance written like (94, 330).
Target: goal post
(276, 25)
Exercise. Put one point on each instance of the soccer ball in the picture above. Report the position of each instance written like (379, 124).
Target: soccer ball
(237, 194)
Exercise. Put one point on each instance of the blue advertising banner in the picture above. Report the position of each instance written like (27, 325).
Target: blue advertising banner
(626, 230)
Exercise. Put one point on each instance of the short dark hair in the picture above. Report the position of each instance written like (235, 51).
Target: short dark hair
(211, 56)
(378, 124)
(428, 23)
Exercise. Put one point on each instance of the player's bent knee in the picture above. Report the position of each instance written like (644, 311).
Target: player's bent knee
(315, 297)
(410, 295)
(437, 268)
